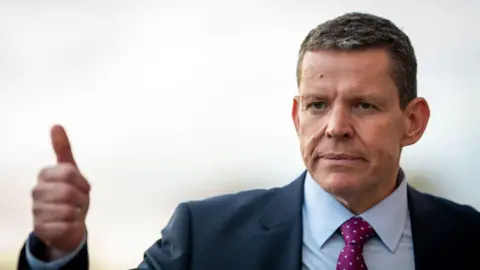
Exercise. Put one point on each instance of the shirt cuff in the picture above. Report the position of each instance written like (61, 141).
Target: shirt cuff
(37, 264)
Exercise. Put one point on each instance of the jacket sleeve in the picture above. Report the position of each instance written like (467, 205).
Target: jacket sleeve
(33, 250)
(173, 250)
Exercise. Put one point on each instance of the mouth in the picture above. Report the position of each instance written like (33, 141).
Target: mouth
(332, 156)
(340, 158)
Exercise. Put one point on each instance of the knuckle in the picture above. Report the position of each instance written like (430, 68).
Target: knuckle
(40, 214)
(37, 192)
(44, 173)
(39, 228)
(36, 209)
(34, 192)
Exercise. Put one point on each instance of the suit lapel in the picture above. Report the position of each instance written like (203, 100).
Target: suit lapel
(430, 232)
(279, 239)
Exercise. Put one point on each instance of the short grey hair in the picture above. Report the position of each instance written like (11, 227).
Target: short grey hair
(357, 31)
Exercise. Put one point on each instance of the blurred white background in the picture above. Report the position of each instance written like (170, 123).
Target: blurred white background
(167, 101)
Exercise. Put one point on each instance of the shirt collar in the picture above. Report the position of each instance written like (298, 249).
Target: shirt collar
(324, 214)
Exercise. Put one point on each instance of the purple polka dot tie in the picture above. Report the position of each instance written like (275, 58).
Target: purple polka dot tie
(355, 231)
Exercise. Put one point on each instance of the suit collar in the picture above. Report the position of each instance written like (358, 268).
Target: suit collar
(286, 205)
(280, 231)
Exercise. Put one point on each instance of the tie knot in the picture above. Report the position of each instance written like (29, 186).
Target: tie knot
(356, 231)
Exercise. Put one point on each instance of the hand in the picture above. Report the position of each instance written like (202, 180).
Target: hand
(60, 200)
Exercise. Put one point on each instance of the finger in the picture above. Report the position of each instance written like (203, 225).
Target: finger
(64, 173)
(49, 192)
(49, 212)
(56, 229)
(61, 145)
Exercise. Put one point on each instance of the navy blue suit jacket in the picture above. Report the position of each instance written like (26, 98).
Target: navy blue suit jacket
(262, 230)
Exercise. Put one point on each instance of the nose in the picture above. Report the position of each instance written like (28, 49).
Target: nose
(339, 125)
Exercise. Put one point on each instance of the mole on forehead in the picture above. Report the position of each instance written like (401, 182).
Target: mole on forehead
(311, 71)
(315, 71)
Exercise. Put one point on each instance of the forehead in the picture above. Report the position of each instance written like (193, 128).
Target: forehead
(357, 70)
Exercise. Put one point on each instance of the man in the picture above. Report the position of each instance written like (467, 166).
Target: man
(356, 108)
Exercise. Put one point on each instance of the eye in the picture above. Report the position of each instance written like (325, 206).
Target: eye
(317, 105)
(364, 106)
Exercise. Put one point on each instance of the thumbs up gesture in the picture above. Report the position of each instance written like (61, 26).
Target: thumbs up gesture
(60, 200)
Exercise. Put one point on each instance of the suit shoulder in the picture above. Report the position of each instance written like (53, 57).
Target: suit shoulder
(230, 211)
(231, 201)
(467, 214)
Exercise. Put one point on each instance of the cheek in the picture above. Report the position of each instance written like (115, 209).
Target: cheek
(382, 142)
(310, 131)
(309, 125)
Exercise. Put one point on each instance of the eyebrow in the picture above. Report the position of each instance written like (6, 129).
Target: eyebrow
(313, 96)
(357, 97)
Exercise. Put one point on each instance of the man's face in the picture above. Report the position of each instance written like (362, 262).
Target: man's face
(349, 121)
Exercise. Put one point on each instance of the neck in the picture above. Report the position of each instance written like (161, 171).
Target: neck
(360, 201)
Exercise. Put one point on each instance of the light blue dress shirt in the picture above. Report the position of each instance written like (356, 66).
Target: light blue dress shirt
(391, 249)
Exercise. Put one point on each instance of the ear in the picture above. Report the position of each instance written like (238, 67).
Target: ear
(416, 116)
(295, 113)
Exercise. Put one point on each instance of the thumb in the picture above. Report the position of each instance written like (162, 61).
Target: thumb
(61, 145)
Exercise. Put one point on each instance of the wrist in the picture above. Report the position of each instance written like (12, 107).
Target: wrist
(52, 254)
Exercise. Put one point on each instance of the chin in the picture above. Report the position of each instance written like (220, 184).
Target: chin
(339, 182)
